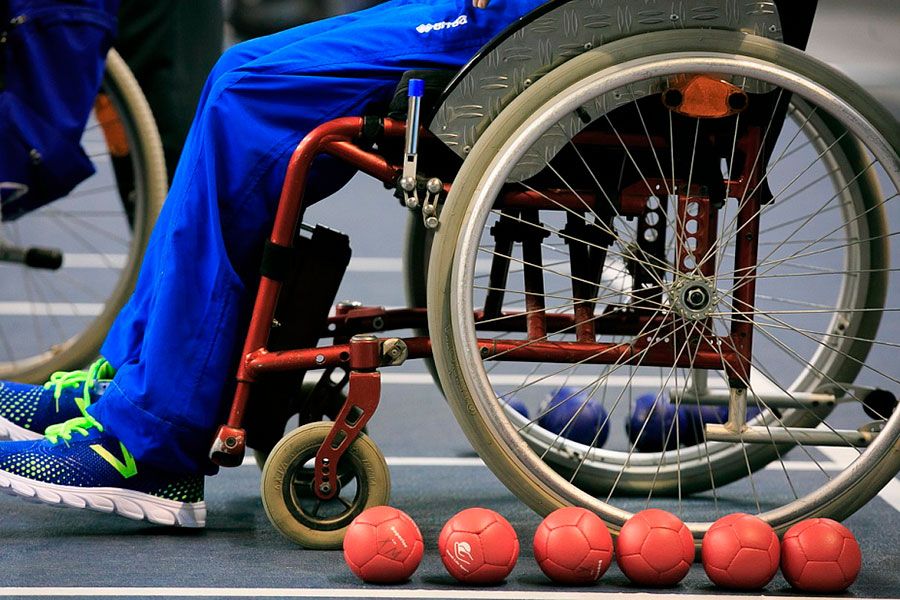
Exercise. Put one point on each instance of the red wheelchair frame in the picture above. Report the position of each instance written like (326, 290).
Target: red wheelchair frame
(364, 355)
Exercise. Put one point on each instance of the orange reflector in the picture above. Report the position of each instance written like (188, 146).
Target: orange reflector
(113, 130)
(704, 97)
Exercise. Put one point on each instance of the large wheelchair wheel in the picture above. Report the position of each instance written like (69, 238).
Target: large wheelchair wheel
(623, 191)
(56, 319)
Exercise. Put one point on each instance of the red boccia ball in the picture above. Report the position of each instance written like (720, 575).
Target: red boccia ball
(572, 545)
(655, 548)
(479, 546)
(383, 545)
(741, 552)
(820, 555)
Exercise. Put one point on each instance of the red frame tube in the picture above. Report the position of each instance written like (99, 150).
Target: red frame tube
(333, 137)
(745, 257)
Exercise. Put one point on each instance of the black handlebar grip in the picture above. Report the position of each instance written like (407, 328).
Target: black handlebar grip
(43, 258)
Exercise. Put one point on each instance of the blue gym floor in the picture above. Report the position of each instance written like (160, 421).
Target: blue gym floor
(434, 471)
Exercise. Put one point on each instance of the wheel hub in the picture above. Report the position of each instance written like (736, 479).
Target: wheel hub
(694, 297)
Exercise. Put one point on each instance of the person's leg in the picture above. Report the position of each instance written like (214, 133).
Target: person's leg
(125, 343)
(166, 401)
(27, 410)
(175, 346)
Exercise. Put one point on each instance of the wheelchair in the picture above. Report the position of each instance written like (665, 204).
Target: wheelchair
(613, 198)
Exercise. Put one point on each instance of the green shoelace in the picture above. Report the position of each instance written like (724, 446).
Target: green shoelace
(64, 430)
(61, 380)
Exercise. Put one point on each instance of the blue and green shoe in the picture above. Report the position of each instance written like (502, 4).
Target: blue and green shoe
(79, 465)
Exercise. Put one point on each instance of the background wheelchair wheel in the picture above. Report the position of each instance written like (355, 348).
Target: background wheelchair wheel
(416, 252)
(290, 503)
(51, 320)
(803, 345)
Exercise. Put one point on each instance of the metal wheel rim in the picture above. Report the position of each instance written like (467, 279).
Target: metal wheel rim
(293, 499)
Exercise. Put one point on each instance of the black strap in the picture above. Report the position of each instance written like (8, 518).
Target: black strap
(278, 262)
(372, 129)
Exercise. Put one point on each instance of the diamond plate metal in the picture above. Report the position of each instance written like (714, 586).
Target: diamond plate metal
(571, 29)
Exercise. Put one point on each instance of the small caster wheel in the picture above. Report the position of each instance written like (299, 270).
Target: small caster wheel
(288, 497)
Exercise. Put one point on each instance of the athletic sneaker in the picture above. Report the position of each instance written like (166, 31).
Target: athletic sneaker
(80, 466)
(27, 410)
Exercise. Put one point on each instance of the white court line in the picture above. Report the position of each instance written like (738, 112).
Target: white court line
(374, 264)
(382, 264)
(76, 260)
(363, 592)
(891, 493)
(86, 260)
(51, 309)
(361, 264)
(639, 381)
(412, 461)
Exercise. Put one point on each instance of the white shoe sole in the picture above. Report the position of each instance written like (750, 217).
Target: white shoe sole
(127, 503)
(12, 432)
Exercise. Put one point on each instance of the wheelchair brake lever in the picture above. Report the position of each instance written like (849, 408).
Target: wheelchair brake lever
(411, 157)
(409, 181)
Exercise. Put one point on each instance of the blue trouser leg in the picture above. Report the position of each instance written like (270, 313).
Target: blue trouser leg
(175, 343)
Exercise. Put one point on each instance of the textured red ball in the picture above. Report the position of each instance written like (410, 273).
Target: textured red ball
(741, 552)
(572, 545)
(479, 546)
(383, 545)
(820, 555)
(655, 548)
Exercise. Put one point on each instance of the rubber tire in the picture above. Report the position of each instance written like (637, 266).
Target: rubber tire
(79, 350)
(503, 460)
(368, 462)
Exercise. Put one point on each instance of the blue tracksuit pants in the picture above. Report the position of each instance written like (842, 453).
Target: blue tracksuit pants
(176, 342)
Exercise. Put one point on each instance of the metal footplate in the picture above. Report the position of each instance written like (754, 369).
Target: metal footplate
(737, 430)
(759, 434)
(769, 399)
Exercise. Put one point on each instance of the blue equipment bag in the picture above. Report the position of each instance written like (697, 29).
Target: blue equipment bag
(51, 62)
